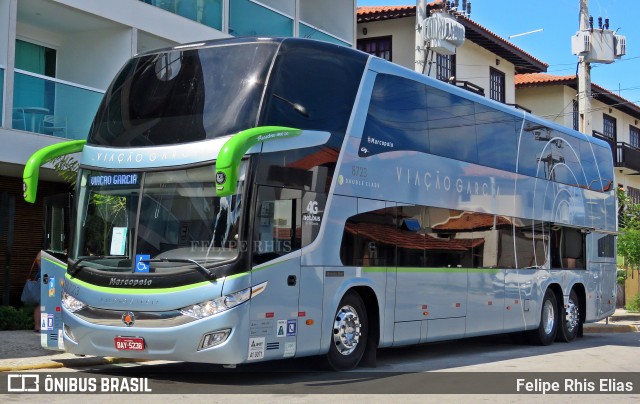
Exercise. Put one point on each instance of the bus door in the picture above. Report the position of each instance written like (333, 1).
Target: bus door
(276, 260)
(53, 264)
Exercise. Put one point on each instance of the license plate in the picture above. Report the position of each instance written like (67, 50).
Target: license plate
(129, 343)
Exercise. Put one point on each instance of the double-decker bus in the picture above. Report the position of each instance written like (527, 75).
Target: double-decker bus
(251, 199)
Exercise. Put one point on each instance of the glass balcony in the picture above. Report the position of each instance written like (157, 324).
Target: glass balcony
(53, 107)
(311, 32)
(248, 18)
(207, 12)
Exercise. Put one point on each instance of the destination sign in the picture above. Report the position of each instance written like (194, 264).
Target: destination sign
(106, 180)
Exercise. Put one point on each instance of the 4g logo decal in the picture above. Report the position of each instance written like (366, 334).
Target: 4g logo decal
(312, 217)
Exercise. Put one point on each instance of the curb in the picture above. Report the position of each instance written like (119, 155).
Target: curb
(606, 328)
(57, 365)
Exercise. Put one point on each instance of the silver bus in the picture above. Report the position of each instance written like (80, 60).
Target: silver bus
(251, 199)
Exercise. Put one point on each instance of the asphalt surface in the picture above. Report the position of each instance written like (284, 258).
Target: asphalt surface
(21, 350)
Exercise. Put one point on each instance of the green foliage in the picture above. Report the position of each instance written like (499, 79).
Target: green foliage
(621, 276)
(629, 247)
(16, 319)
(67, 167)
(634, 304)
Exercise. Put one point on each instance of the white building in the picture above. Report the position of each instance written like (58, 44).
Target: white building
(485, 63)
(57, 58)
(613, 119)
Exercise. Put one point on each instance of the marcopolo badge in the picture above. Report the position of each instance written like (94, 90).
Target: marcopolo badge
(221, 178)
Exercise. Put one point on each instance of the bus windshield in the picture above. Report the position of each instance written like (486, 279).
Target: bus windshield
(158, 218)
(183, 96)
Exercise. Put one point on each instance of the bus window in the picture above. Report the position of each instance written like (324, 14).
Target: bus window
(451, 122)
(531, 243)
(369, 239)
(277, 229)
(496, 130)
(397, 117)
(567, 247)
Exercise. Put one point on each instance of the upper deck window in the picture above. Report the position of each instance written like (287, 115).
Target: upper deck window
(182, 96)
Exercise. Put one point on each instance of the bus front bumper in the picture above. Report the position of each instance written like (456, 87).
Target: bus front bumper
(178, 343)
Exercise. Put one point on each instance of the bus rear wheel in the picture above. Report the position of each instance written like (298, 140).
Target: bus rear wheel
(546, 332)
(349, 333)
(569, 319)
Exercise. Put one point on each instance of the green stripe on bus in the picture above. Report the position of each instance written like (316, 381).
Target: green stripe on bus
(55, 263)
(126, 291)
(431, 270)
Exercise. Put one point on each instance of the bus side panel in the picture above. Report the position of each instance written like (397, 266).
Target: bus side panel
(485, 302)
(520, 294)
(310, 310)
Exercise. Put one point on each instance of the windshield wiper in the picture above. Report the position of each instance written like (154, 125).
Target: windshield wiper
(202, 269)
(296, 107)
(74, 267)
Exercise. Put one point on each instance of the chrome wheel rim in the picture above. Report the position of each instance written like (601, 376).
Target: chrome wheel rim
(548, 317)
(346, 330)
(572, 315)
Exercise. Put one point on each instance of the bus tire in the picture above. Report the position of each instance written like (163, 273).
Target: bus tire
(349, 333)
(569, 319)
(546, 332)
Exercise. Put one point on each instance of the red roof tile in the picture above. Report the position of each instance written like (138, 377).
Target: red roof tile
(482, 35)
(598, 92)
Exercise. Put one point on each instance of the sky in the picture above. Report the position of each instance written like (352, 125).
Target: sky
(559, 21)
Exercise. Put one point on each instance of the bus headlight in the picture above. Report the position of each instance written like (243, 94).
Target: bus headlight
(223, 303)
(71, 303)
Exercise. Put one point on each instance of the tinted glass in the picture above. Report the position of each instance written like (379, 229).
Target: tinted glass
(532, 143)
(162, 98)
(496, 133)
(451, 123)
(397, 117)
(369, 239)
(313, 87)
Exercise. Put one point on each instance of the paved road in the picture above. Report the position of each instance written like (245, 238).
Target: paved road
(469, 359)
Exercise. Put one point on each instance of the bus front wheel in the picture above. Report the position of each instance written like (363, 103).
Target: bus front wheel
(349, 333)
(545, 334)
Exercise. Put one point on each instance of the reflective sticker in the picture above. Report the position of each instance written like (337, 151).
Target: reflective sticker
(49, 323)
(43, 321)
(291, 327)
(60, 340)
(141, 265)
(52, 287)
(280, 328)
(256, 348)
(289, 349)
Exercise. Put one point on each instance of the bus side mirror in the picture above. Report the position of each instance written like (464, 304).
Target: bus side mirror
(228, 161)
(43, 156)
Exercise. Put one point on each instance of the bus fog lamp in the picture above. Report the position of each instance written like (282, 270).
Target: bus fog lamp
(71, 303)
(69, 333)
(214, 338)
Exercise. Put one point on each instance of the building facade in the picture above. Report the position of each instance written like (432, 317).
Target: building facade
(57, 58)
(485, 63)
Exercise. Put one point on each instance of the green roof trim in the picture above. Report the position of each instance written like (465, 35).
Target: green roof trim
(43, 156)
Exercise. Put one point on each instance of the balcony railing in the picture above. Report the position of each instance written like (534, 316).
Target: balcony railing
(207, 12)
(309, 31)
(624, 154)
(53, 107)
(250, 18)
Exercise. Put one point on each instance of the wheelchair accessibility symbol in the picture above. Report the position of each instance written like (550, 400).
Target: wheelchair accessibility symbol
(141, 265)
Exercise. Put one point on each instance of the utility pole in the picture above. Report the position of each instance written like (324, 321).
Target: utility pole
(584, 77)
